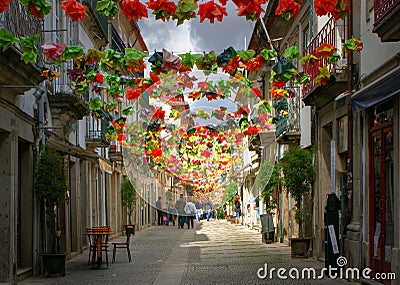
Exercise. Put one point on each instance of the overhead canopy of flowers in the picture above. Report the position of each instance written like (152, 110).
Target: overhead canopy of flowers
(184, 10)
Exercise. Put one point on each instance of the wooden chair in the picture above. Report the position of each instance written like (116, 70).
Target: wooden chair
(129, 230)
(93, 245)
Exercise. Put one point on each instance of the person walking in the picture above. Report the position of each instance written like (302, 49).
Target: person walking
(171, 212)
(159, 212)
(199, 210)
(180, 208)
(237, 208)
(207, 208)
(190, 211)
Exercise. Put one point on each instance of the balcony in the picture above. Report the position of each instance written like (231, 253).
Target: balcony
(387, 20)
(14, 72)
(332, 33)
(115, 151)
(67, 108)
(288, 127)
(96, 133)
(95, 23)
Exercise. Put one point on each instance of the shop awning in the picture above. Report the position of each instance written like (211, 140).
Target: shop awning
(378, 91)
(105, 166)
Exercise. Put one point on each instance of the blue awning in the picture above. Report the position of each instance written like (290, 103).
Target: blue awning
(378, 91)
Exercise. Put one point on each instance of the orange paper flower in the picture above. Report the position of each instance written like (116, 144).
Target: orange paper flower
(74, 10)
(325, 50)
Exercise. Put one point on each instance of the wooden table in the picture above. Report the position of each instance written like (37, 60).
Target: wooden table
(98, 236)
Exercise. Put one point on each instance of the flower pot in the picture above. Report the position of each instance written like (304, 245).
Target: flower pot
(54, 263)
(300, 247)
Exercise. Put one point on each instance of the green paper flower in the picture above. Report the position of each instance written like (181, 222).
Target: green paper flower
(7, 39)
(41, 5)
(333, 58)
(108, 8)
(95, 104)
(246, 55)
(29, 49)
(72, 52)
(185, 11)
(188, 59)
(268, 54)
(292, 53)
(133, 55)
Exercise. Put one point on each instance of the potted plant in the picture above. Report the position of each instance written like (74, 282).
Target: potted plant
(128, 197)
(51, 187)
(267, 181)
(299, 172)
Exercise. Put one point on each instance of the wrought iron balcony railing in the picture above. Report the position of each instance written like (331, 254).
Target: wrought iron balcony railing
(332, 33)
(18, 21)
(291, 122)
(383, 8)
(96, 133)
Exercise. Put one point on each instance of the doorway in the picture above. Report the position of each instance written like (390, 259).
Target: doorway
(381, 199)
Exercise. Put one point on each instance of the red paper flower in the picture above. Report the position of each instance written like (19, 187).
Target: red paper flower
(154, 77)
(158, 114)
(278, 83)
(256, 92)
(4, 5)
(243, 110)
(288, 9)
(74, 10)
(232, 65)
(337, 8)
(210, 10)
(156, 152)
(99, 78)
(203, 85)
(34, 12)
(212, 96)
(251, 131)
(250, 8)
(53, 52)
(163, 9)
(195, 95)
(255, 63)
(133, 9)
(132, 94)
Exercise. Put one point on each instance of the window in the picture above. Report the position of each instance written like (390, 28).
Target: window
(306, 38)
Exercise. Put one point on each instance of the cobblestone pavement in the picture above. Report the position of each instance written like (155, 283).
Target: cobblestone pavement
(215, 252)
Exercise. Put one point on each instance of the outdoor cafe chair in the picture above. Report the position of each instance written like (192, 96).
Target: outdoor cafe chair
(129, 230)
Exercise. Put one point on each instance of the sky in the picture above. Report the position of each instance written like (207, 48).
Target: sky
(193, 36)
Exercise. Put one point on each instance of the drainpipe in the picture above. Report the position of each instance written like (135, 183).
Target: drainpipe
(280, 198)
(361, 190)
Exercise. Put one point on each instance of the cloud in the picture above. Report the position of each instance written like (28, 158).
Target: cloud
(195, 36)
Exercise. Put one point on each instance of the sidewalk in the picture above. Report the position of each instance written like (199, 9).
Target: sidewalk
(215, 252)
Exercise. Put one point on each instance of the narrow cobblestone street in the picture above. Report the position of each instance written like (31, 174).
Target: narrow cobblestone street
(215, 252)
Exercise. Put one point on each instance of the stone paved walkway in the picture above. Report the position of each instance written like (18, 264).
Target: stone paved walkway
(215, 252)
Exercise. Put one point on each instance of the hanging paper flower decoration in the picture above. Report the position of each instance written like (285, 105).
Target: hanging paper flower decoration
(133, 94)
(74, 10)
(185, 11)
(37, 8)
(158, 114)
(288, 9)
(256, 92)
(202, 114)
(323, 76)
(244, 110)
(4, 5)
(195, 95)
(353, 44)
(50, 74)
(162, 9)
(309, 60)
(211, 10)
(251, 9)
(170, 61)
(277, 93)
(133, 9)
(337, 8)
(53, 52)
(99, 78)
(255, 64)
(325, 50)
(108, 8)
(111, 106)
(232, 66)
